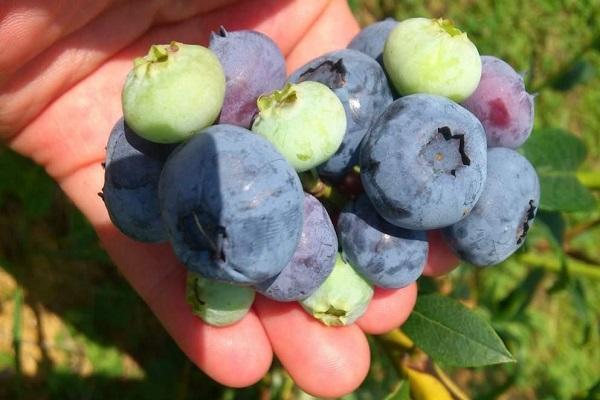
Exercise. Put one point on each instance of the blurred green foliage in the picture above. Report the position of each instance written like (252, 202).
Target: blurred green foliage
(544, 303)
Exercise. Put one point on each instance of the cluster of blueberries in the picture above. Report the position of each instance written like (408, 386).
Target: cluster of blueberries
(213, 144)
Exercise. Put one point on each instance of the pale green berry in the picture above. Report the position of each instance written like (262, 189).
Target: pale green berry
(173, 92)
(342, 298)
(306, 122)
(432, 56)
(217, 303)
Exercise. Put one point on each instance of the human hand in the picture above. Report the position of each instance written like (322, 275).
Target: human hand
(61, 76)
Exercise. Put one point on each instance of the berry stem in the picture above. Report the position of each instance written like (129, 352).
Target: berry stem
(395, 355)
(158, 54)
(448, 382)
(553, 264)
(448, 27)
(277, 98)
(580, 228)
(321, 190)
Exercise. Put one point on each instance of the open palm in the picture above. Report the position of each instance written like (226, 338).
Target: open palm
(62, 68)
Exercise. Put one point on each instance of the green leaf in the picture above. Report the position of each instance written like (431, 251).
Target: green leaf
(520, 297)
(564, 192)
(581, 305)
(589, 179)
(17, 328)
(555, 149)
(563, 278)
(579, 72)
(20, 178)
(354, 5)
(453, 335)
(556, 155)
(555, 226)
(401, 392)
(382, 378)
(6, 360)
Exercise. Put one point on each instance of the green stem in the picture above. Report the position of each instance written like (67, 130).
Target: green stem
(553, 264)
(321, 190)
(16, 336)
(581, 228)
(590, 179)
(397, 347)
(394, 355)
(449, 383)
(184, 381)
(288, 388)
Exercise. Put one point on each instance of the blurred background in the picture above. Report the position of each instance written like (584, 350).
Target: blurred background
(71, 327)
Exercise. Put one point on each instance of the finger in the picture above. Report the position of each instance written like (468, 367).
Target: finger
(90, 32)
(38, 24)
(35, 25)
(441, 259)
(115, 39)
(286, 22)
(388, 309)
(332, 31)
(66, 62)
(323, 361)
(72, 132)
(238, 355)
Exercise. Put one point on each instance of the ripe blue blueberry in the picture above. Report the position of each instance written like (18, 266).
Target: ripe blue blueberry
(361, 85)
(253, 65)
(387, 255)
(371, 39)
(423, 162)
(132, 169)
(232, 205)
(499, 223)
(312, 261)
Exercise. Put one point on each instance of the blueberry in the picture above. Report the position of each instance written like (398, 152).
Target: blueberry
(217, 303)
(499, 223)
(361, 85)
(305, 122)
(342, 298)
(173, 92)
(432, 56)
(312, 261)
(371, 39)
(423, 162)
(132, 169)
(387, 255)
(502, 104)
(253, 65)
(232, 205)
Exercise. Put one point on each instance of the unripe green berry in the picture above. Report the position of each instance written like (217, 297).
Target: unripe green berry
(173, 92)
(217, 303)
(342, 298)
(432, 56)
(306, 122)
